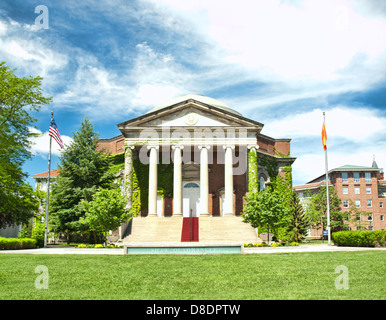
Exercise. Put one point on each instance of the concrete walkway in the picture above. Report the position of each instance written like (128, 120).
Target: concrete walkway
(307, 248)
(120, 251)
(66, 250)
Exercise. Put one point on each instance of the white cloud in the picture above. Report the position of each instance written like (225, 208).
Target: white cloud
(312, 42)
(152, 95)
(312, 165)
(356, 124)
(353, 137)
(157, 77)
(24, 48)
(41, 144)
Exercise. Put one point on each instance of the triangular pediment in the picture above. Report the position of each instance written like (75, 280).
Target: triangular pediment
(190, 117)
(189, 113)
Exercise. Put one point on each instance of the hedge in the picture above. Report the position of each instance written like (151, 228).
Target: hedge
(360, 238)
(17, 243)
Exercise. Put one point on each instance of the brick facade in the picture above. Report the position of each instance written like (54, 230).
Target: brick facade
(267, 145)
(365, 186)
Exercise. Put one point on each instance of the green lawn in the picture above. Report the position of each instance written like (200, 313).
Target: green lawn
(250, 276)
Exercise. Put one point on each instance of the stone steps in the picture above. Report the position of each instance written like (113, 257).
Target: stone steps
(226, 229)
(169, 229)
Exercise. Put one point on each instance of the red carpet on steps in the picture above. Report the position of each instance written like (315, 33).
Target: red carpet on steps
(189, 230)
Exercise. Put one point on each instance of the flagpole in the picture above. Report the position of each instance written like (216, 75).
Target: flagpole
(327, 191)
(48, 189)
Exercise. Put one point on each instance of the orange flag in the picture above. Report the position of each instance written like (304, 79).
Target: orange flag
(324, 137)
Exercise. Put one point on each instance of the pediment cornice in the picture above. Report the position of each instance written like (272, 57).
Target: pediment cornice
(219, 117)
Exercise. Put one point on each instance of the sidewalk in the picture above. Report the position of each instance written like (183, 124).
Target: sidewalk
(67, 250)
(307, 248)
(120, 251)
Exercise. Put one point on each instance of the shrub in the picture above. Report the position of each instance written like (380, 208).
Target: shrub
(98, 246)
(17, 243)
(81, 245)
(38, 233)
(275, 244)
(257, 244)
(360, 238)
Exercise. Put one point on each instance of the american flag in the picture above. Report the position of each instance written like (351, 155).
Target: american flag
(54, 133)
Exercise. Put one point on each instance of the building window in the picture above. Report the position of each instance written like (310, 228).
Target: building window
(381, 204)
(370, 217)
(262, 183)
(344, 177)
(356, 177)
(369, 203)
(368, 190)
(345, 190)
(368, 176)
(357, 191)
(345, 203)
(382, 218)
(357, 203)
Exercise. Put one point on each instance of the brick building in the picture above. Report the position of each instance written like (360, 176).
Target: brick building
(364, 186)
(205, 144)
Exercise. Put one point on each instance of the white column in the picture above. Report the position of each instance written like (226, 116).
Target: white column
(177, 181)
(228, 177)
(204, 181)
(152, 181)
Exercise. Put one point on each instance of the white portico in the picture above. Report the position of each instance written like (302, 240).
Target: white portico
(193, 133)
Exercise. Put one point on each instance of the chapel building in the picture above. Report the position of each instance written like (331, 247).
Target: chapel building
(193, 157)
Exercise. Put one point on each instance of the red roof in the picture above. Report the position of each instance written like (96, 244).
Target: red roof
(53, 173)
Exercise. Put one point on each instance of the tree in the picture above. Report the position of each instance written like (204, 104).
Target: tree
(266, 209)
(82, 171)
(317, 210)
(354, 215)
(106, 211)
(298, 221)
(19, 97)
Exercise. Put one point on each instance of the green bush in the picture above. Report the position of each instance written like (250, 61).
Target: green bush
(38, 233)
(98, 246)
(360, 238)
(17, 243)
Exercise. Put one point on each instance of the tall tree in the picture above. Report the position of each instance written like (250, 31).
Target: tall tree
(359, 218)
(82, 171)
(19, 97)
(298, 221)
(317, 210)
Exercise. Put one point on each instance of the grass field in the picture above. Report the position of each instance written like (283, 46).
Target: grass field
(252, 276)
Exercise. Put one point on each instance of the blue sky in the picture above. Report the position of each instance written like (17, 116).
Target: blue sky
(281, 63)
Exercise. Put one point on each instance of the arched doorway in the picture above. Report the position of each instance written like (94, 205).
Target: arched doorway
(190, 198)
